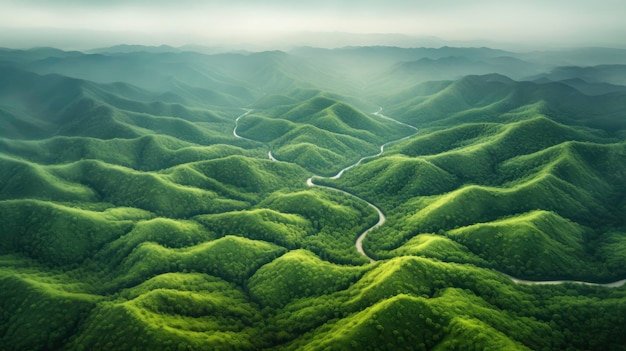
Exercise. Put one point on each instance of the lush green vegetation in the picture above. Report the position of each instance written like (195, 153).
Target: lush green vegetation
(319, 133)
(135, 216)
(511, 193)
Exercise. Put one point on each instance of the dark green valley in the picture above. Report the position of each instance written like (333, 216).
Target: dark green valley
(359, 198)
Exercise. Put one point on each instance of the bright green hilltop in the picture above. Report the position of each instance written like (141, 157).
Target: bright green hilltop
(160, 201)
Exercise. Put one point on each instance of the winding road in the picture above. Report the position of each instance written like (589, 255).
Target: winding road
(616, 284)
(237, 124)
(359, 240)
(381, 215)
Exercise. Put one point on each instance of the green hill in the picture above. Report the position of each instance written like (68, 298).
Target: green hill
(533, 244)
(385, 308)
(320, 133)
(62, 106)
(565, 179)
(21, 179)
(146, 153)
(456, 181)
(334, 221)
(299, 274)
(159, 198)
(40, 314)
(489, 98)
(58, 235)
(245, 257)
(613, 74)
(174, 310)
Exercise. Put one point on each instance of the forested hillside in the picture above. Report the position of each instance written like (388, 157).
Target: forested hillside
(422, 199)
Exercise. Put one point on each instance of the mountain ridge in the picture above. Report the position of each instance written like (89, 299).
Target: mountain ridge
(173, 207)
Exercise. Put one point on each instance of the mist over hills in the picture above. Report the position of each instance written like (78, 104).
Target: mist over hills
(349, 198)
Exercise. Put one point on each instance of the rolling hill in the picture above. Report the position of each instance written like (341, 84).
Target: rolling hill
(496, 98)
(159, 198)
(480, 184)
(320, 133)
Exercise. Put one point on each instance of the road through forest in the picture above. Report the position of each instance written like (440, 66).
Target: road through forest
(381, 215)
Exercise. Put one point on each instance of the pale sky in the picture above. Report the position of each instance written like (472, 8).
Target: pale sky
(78, 24)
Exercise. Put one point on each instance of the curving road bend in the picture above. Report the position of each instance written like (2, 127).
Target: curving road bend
(380, 114)
(271, 157)
(381, 216)
(237, 124)
(359, 240)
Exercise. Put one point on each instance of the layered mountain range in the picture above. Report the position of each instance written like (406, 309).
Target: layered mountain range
(355, 198)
